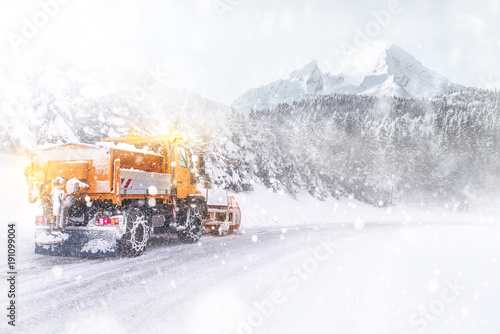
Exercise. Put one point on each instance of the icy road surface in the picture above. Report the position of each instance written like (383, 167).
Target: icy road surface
(368, 278)
(319, 276)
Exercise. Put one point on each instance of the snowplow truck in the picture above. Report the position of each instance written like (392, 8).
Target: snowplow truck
(107, 199)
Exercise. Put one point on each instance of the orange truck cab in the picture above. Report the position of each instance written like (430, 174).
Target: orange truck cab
(107, 199)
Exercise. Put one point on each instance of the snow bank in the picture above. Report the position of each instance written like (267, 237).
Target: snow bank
(14, 205)
(432, 279)
(265, 208)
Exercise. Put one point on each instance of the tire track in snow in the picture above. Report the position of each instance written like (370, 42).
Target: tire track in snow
(115, 285)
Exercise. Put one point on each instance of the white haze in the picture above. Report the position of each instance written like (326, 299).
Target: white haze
(256, 42)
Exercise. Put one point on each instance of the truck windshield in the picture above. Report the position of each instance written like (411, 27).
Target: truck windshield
(181, 152)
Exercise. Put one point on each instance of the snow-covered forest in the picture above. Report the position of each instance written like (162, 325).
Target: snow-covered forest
(381, 150)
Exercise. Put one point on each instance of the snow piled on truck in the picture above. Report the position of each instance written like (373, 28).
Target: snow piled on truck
(54, 238)
(125, 146)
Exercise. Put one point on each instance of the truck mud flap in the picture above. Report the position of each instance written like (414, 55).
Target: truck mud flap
(76, 242)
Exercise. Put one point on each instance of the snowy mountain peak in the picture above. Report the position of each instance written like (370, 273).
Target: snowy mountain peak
(309, 76)
(391, 59)
(305, 71)
(398, 73)
(304, 82)
(394, 72)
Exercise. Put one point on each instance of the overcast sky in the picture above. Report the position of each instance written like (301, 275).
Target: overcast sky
(219, 48)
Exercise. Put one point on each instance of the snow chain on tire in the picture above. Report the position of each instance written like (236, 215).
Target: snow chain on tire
(132, 242)
(193, 225)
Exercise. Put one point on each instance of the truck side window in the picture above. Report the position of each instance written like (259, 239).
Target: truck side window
(191, 166)
(181, 152)
(190, 161)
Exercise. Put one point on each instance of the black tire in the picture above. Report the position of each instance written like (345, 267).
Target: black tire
(193, 224)
(135, 239)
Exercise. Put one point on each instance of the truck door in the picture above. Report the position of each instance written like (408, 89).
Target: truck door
(184, 172)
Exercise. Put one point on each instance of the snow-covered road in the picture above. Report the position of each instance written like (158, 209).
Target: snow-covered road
(376, 278)
(301, 271)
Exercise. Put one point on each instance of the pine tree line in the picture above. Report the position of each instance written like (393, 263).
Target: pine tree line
(381, 150)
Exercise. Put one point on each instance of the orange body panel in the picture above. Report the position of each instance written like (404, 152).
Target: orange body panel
(99, 167)
(78, 170)
(137, 160)
(92, 165)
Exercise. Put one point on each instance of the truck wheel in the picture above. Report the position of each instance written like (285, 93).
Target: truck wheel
(193, 227)
(135, 239)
